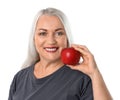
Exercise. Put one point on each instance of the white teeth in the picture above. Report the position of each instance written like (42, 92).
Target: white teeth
(50, 49)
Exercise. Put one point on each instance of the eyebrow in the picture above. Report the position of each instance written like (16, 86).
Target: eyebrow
(55, 29)
(59, 29)
(42, 29)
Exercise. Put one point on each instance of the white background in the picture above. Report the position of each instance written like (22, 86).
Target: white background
(94, 23)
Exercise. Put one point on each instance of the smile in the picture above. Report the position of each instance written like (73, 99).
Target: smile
(51, 49)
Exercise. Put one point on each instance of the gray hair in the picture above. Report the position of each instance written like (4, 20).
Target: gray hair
(33, 55)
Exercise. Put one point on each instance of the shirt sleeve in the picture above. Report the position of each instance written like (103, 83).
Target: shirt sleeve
(81, 89)
(12, 89)
(87, 91)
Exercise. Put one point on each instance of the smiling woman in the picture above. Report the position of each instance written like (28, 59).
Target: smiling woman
(61, 17)
(45, 77)
(48, 35)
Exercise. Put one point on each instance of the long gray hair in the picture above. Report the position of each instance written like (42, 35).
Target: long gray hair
(33, 55)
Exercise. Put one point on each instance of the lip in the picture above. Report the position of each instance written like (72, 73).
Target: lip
(51, 49)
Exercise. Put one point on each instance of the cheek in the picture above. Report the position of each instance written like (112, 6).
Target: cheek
(37, 42)
(64, 42)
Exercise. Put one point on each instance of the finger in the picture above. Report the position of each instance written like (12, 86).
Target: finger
(80, 46)
(86, 55)
(82, 49)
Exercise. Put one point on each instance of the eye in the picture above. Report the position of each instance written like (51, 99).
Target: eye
(59, 33)
(42, 33)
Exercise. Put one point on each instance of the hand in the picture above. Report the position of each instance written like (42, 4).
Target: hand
(88, 65)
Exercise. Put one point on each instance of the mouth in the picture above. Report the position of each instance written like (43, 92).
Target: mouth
(51, 49)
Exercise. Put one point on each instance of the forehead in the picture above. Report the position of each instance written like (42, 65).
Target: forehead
(46, 21)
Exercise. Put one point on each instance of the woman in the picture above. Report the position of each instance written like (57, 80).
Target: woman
(45, 77)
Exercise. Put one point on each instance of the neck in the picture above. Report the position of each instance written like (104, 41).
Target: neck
(48, 65)
(43, 69)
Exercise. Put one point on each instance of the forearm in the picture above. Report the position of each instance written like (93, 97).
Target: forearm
(100, 90)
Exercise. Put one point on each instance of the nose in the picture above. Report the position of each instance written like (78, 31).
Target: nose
(51, 39)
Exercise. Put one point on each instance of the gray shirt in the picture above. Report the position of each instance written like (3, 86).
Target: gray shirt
(64, 84)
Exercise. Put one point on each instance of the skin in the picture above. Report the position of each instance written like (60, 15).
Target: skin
(51, 34)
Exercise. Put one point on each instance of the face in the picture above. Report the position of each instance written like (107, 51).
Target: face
(50, 38)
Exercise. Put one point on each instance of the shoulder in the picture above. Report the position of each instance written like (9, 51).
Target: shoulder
(76, 74)
(18, 78)
(23, 73)
(77, 78)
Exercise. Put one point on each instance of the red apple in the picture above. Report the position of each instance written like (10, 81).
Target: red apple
(70, 56)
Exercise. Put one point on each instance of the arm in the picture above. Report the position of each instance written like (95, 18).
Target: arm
(99, 87)
(89, 66)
